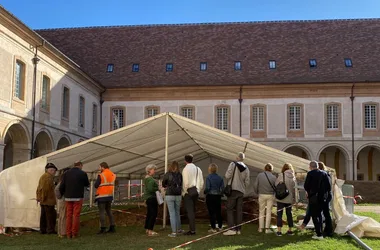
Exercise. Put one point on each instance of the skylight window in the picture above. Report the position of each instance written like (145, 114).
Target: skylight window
(348, 62)
(169, 67)
(237, 65)
(203, 66)
(110, 68)
(272, 64)
(135, 67)
(313, 63)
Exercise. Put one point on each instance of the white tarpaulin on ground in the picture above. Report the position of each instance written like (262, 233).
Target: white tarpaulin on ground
(361, 226)
(127, 151)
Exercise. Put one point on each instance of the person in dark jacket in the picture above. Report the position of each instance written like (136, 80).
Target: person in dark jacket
(328, 230)
(214, 191)
(72, 187)
(317, 187)
(46, 197)
(172, 182)
(105, 184)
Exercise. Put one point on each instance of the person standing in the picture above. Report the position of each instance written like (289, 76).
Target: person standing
(72, 187)
(172, 182)
(264, 187)
(287, 176)
(150, 197)
(239, 177)
(328, 229)
(105, 184)
(214, 191)
(192, 185)
(317, 187)
(46, 197)
(61, 207)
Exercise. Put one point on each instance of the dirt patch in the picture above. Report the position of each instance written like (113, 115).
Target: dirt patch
(135, 215)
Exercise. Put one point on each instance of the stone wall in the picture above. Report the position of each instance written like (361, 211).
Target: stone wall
(369, 190)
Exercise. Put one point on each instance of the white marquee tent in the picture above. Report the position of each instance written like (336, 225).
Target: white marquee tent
(127, 151)
(158, 140)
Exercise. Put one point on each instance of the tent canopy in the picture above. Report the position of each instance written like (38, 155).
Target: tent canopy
(158, 140)
(129, 149)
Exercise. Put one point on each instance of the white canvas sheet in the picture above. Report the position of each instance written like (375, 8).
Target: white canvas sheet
(361, 226)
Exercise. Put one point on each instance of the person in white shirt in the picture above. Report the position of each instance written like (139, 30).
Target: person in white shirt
(192, 184)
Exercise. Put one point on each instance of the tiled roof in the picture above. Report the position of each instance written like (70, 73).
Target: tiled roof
(290, 43)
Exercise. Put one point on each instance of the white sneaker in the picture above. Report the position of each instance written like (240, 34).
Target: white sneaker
(268, 231)
(212, 231)
(238, 232)
(230, 232)
(315, 237)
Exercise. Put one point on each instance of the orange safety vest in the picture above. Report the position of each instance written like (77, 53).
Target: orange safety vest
(107, 184)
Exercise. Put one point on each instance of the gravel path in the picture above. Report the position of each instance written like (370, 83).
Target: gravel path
(375, 209)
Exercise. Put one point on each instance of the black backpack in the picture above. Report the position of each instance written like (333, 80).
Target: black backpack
(281, 190)
(175, 182)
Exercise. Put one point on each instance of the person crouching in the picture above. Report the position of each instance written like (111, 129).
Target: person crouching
(105, 184)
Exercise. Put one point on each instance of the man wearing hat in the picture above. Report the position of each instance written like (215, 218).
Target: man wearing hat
(46, 198)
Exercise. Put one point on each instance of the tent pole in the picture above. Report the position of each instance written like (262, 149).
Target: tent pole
(166, 165)
(129, 189)
(141, 186)
(91, 192)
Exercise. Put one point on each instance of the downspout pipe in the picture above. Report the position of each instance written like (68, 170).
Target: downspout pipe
(35, 61)
(240, 110)
(101, 101)
(352, 97)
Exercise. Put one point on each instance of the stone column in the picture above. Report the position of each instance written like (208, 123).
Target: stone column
(350, 171)
(21, 153)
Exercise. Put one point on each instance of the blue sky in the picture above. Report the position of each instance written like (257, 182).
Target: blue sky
(79, 13)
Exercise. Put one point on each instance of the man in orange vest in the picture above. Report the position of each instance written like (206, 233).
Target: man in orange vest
(105, 184)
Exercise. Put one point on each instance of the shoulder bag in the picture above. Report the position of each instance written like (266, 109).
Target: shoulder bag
(228, 188)
(281, 190)
(192, 191)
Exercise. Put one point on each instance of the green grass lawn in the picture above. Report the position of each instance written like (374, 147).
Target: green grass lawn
(133, 237)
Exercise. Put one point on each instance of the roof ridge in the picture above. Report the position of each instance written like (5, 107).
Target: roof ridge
(210, 23)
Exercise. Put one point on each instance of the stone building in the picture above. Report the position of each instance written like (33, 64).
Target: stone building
(67, 108)
(310, 88)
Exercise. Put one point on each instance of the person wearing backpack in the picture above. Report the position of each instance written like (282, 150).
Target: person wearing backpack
(214, 191)
(172, 182)
(238, 179)
(264, 187)
(288, 178)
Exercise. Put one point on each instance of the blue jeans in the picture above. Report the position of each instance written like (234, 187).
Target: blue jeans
(174, 205)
